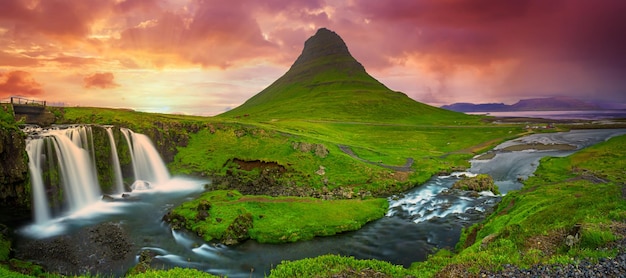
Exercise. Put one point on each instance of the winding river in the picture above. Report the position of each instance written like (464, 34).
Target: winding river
(427, 217)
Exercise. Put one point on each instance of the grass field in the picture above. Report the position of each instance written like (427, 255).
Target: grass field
(274, 219)
(214, 142)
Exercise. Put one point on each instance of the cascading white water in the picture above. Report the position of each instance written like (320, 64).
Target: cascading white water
(119, 184)
(34, 150)
(147, 164)
(71, 151)
(80, 184)
(75, 167)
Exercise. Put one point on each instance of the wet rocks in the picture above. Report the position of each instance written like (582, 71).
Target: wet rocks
(99, 249)
(203, 210)
(145, 259)
(237, 231)
(176, 221)
(13, 168)
(612, 267)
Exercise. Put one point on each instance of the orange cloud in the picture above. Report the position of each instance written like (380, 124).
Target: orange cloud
(18, 83)
(54, 18)
(105, 80)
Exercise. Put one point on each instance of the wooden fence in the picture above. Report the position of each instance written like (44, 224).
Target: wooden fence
(23, 101)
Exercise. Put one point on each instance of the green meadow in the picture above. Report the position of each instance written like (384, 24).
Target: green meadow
(213, 144)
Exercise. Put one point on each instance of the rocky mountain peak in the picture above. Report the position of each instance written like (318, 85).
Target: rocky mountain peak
(324, 48)
(323, 44)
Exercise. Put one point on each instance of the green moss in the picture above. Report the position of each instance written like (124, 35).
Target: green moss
(337, 266)
(10, 274)
(7, 121)
(5, 248)
(274, 220)
(172, 273)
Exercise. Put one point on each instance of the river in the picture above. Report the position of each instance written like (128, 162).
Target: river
(427, 217)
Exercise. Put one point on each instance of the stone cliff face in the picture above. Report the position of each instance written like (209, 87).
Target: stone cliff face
(169, 136)
(13, 168)
(325, 50)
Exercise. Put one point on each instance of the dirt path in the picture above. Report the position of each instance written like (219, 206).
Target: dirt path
(404, 168)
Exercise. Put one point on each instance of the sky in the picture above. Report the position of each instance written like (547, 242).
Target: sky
(204, 57)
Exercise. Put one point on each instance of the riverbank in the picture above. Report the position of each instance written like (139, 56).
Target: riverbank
(572, 212)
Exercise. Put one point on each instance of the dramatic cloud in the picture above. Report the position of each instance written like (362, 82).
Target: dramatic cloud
(18, 83)
(557, 38)
(104, 80)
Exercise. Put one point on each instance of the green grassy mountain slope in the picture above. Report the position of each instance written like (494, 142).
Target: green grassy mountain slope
(327, 83)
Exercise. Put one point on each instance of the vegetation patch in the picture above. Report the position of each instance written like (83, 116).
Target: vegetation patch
(172, 273)
(482, 182)
(338, 266)
(308, 149)
(230, 217)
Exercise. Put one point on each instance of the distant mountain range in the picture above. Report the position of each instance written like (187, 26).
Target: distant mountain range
(533, 104)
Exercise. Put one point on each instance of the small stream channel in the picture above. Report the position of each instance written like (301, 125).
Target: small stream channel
(427, 217)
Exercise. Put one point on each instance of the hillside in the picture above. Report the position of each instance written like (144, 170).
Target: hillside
(327, 83)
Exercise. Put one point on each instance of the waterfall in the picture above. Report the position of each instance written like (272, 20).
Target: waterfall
(119, 184)
(73, 150)
(147, 164)
(41, 212)
(67, 155)
(76, 167)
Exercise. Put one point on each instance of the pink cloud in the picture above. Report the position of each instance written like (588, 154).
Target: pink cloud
(55, 18)
(19, 83)
(105, 80)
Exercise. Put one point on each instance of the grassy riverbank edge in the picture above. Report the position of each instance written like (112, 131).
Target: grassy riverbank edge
(231, 217)
(573, 208)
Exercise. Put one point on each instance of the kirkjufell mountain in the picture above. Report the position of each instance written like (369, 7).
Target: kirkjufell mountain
(327, 83)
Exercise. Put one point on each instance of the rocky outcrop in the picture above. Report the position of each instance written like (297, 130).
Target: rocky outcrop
(318, 149)
(237, 231)
(168, 136)
(13, 168)
(482, 182)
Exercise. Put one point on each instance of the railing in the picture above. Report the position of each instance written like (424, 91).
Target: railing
(24, 101)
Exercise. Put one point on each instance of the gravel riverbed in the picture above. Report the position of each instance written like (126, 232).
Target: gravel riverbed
(614, 267)
(605, 267)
